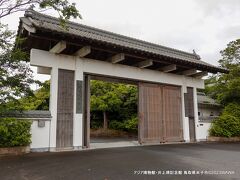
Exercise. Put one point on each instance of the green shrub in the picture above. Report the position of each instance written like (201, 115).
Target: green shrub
(130, 125)
(228, 124)
(95, 125)
(117, 125)
(232, 109)
(14, 132)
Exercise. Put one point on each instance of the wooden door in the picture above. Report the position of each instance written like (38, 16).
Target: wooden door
(150, 113)
(65, 108)
(172, 116)
(159, 113)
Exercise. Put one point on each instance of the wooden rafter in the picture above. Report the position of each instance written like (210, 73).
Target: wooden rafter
(189, 72)
(84, 51)
(117, 58)
(201, 74)
(144, 64)
(168, 68)
(59, 47)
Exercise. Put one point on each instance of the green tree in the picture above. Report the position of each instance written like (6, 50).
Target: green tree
(63, 7)
(15, 72)
(226, 87)
(40, 100)
(104, 98)
(113, 99)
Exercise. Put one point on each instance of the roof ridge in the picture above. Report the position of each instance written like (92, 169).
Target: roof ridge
(36, 15)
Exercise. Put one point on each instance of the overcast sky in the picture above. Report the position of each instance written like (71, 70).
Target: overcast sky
(203, 25)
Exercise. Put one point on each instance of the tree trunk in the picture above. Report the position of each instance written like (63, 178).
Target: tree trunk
(105, 120)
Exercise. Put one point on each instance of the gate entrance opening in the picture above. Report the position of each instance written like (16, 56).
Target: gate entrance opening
(159, 113)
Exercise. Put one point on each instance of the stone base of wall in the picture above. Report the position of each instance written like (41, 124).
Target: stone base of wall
(223, 139)
(15, 150)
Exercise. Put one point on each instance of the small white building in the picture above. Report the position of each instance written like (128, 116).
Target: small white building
(167, 81)
(208, 110)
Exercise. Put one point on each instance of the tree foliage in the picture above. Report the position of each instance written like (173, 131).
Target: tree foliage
(64, 8)
(226, 87)
(14, 132)
(228, 124)
(119, 101)
(15, 73)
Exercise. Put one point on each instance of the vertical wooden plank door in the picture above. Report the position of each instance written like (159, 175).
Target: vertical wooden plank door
(65, 108)
(172, 113)
(150, 113)
(159, 113)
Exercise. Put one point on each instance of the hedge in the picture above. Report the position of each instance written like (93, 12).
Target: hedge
(228, 124)
(14, 132)
(130, 125)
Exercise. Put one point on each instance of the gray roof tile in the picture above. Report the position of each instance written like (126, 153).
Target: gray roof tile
(42, 21)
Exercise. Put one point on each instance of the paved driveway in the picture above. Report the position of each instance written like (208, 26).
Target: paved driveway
(144, 162)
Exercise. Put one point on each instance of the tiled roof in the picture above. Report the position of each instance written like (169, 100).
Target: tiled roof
(41, 21)
(203, 99)
(28, 114)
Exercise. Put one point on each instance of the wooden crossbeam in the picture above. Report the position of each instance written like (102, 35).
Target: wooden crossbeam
(59, 47)
(84, 51)
(144, 64)
(189, 72)
(168, 68)
(117, 58)
(43, 70)
(201, 74)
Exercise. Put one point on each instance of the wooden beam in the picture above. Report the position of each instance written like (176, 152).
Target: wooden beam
(84, 51)
(144, 64)
(44, 70)
(168, 68)
(117, 58)
(189, 72)
(59, 47)
(201, 74)
(29, 28)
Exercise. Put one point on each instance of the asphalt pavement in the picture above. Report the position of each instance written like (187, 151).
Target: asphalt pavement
(170, 161)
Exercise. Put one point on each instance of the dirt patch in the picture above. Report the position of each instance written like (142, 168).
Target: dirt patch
(111, 133)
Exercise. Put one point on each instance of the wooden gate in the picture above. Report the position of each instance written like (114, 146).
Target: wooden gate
(65, 108)
(172, 116)
(150, 113)
(159, 113)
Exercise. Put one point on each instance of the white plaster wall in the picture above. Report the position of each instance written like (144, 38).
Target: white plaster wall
(203, 130)
(207, 111)
(40, 136)
(53, 107)
(77, 119)
(195, 104)
(185, 122)
(46, 59)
